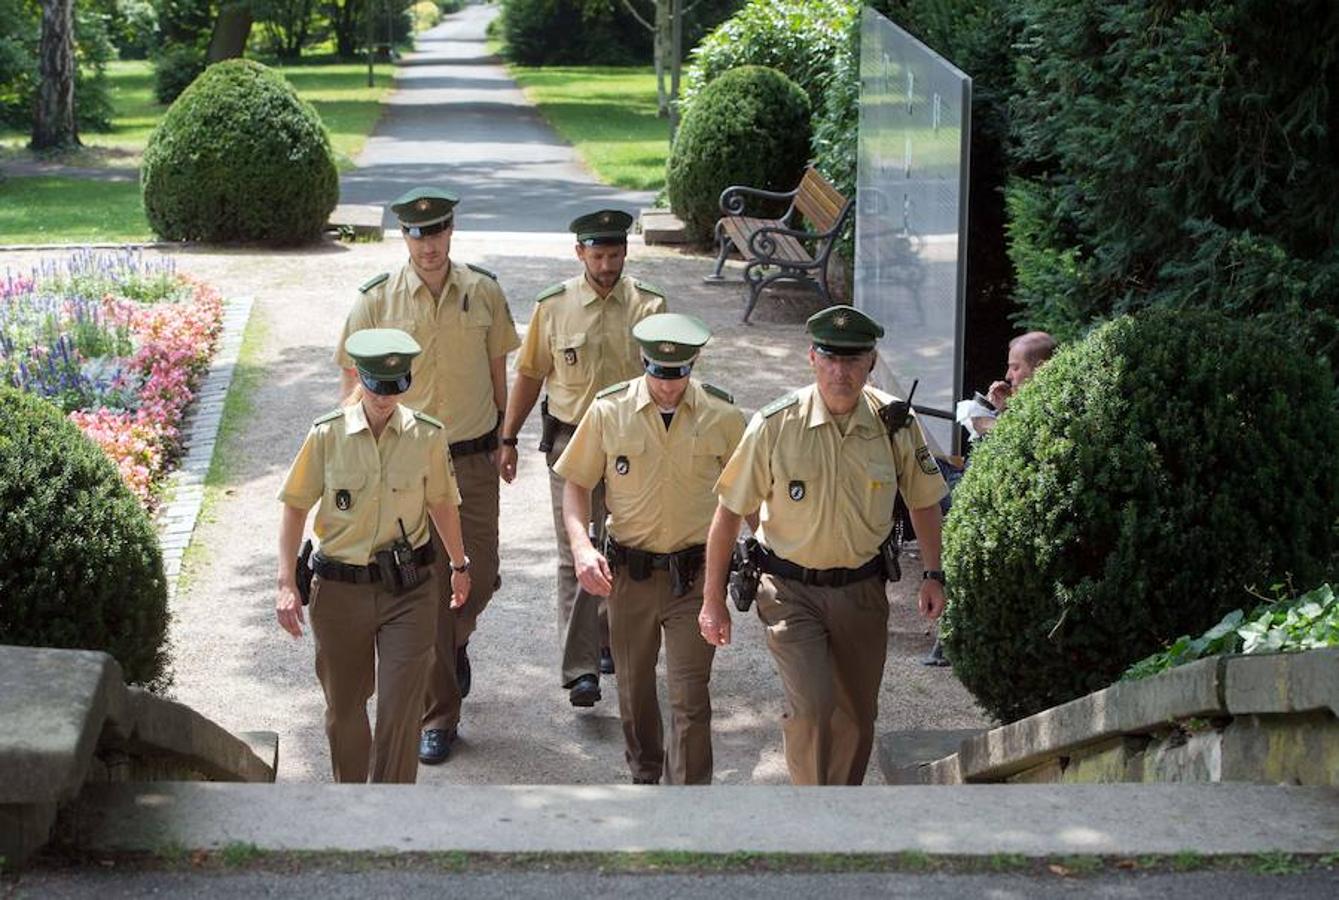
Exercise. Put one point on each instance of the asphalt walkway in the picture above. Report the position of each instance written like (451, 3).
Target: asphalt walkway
(457, 119)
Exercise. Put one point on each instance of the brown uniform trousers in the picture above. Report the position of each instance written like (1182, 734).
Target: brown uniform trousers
(829, 645)
(366, 640)
(583, 623)
(477, 478)
(638, 612)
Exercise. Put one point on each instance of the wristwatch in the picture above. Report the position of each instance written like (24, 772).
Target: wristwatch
(510, 442)
(933, 574)
(463, 567)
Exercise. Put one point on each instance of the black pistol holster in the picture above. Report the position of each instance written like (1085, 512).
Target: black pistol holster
(683, 566)
(745, 573)
(549, 427)
(895, 416)
(303, 571)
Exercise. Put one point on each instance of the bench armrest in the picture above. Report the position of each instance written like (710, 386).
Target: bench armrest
(733, 198)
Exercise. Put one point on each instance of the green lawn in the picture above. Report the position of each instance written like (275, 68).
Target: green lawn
(608, 114)
(51, 210)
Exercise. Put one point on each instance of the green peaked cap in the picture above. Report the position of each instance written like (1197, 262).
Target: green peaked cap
(843, 330)
(425, 210)
(383, 354)
(671, 339)
(604, 226)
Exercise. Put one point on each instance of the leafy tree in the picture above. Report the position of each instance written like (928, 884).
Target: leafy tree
(54, 125)
(286, 24)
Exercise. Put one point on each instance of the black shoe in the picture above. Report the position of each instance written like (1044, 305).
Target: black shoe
(606, 661)
(936, 656)
(636, 780)
(434, 745)
(584, 691)
(463, 670)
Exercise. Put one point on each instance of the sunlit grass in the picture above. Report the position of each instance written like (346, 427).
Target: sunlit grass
(49, 210)
(608, 115)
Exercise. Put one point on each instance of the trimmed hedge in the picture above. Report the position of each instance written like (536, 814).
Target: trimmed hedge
(750, 126)
(1139, 486)
(239, 157)
(80, 566)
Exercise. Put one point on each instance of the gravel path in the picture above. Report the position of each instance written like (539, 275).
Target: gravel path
(520, 186)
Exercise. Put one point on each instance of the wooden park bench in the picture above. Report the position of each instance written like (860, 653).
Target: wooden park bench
(774, 250)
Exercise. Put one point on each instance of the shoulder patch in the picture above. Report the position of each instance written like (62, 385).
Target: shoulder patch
(329, 417)
(424, 417)
(718, 392)
(373, 282)
(612, 389)
(779, 404)
(481, 270)
(648, 287)
(550, 291)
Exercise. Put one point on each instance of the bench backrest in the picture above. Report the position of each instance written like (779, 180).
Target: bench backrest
(818, 201)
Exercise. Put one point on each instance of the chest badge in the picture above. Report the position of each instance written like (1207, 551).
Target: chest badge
(621, 465)
(797, 490)
(570, 355)
(343, 499)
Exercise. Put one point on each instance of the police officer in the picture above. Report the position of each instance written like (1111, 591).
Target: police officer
(824, 469)
(658, 443)
(376, 471)
(460, 317)
(579, 341)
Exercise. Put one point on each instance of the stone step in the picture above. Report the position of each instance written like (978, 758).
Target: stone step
(966, 820)
(660, 226)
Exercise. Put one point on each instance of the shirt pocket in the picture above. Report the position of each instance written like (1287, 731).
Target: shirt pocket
(347, 494)
(571, 358)
(625, 463)
(794, 485)
(408, 493)
(708, 457)
(415, 328)
(880, 492)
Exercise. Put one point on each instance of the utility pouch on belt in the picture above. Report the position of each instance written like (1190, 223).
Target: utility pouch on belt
(549, 427)
(744, 574)
(889, 551)
(683, 569)
(304, 573)
(399, 571)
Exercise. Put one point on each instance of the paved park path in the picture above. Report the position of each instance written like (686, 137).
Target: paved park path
(520, 186)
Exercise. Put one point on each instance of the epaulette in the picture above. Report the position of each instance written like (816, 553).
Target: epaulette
(373, 282)
(481, 270)
(550, 291)
(424, 417)
(648, 287)
(329, 417)
(612, 389)
(718, 392)
(779, 404)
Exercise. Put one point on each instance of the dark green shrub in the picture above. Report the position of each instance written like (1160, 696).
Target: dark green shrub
(239, 157)
(174, 68)
(800, 38)
(749, 126)
(572, 32)
(1175, 154)
(80, 566)
(1138, 486)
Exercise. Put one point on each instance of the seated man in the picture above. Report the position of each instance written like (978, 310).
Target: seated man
(1027, 352)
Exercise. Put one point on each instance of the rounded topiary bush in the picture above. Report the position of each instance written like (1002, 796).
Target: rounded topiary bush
(1136, 489)
(239, 157)
(79, 561)
(750, 126)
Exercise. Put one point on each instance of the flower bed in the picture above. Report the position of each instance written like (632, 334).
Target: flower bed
(120, 345)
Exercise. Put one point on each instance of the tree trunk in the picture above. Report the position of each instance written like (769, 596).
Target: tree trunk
(54, 125)
(662, 55)
(346, 28)
(231, 29)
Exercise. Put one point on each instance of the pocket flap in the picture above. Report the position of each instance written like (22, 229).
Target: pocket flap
(624, 445)
(569, 341)
(709, 445)
(403, 481)
(882, 474)
(346, 480)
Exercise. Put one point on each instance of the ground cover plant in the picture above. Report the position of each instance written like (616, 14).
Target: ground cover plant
(118, 345)
(1305, 622)
(1141, 486)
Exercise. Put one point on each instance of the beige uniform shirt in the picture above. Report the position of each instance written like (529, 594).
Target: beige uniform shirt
(460, 333)
(366, 486)
(580, 343)
(658, 481)
(826, 498)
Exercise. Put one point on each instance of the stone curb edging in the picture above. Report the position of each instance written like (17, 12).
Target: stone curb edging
(186, 485)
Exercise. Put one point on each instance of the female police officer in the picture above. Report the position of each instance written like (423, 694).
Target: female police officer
(378, 471)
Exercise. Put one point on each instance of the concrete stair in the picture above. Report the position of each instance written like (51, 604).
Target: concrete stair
(966, 820)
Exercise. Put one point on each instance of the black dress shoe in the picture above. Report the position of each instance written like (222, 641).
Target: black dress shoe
(463, 670)
(584, 691)
(645, 780)
(606, 661)
(936, 656)
(434, 745)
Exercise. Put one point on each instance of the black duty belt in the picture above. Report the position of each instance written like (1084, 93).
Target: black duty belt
(331, 570)
(484, 443)
(621, 553)
(772, 564)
